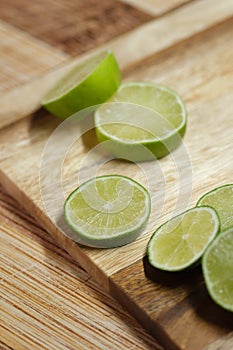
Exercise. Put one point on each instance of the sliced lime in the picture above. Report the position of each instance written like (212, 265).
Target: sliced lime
(217, 266)
(142, 120)
(108, 211)
(88, 84)
(181, 241)
(221, 199)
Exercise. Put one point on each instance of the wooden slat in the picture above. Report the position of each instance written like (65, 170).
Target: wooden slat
(73, 26)
(48, 301)
(156, 7)
(150, 39)
(224, 343)
(181, 70)
(194, 60)
(206, 95)
(186, 305)
(175, 308)
(23, 57)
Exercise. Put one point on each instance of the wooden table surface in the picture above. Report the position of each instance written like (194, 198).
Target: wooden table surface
(48, 301)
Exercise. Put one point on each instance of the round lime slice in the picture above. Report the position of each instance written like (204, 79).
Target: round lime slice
(88, 84)
(221, 199)
(180, 242)
(108, 211)
(142, 120)
(217, 266)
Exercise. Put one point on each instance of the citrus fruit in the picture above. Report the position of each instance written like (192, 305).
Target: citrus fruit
(89, 83)
(217, 266)
(221, 199)
(180, 242)
(108, 211)
(142, 120)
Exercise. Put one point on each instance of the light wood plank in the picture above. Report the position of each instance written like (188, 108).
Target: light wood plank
(176, 308)
(48, 301)
(30, 138)
(24, 57)
(73, 26)
(224, 343)
(199, 165)
(149, 39)
(156, 7)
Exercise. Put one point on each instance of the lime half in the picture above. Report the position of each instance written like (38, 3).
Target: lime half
(221, 199)
(142, 120)
(108, 211)
(181, 241)
(88, 84)
(217, 266)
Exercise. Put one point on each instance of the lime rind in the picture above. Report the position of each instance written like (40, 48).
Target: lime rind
(154, 138)
(180, 128)
(225, 216)
(95, 85)
(159, 87)
(197, 256)
(216, 189)
(75, 76)
(162, 88)
(153, 146)
(103, 240)
(216, 287)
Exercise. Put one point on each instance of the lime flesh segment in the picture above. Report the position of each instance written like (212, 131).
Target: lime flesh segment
(88, 84)
(142, 120)
(108, 211)
(221, 199)
(181, 241)
(217, 266)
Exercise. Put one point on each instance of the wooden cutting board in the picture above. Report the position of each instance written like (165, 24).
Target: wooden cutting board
(188, 48)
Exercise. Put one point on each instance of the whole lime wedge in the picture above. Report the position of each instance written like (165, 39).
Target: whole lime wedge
(180, 242)
(221, 199)
(217, 266)
(108, 211)
(142, 121)
(88, 84)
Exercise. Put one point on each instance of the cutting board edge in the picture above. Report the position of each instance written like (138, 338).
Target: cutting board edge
(60, 239)
(151, 326)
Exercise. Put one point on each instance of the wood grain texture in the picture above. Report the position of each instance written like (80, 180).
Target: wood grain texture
(145, 41)
(74, 26)
(179, 61)
(191, 309)
(47, 301)
(176, 308)
(24, 57)
(225, 343)
(3, 346)
(157, 7)
(27, 137)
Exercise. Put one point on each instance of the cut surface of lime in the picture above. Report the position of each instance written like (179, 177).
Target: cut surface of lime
(221, 199)
(142, 120)
(108, 211)
(180, 242)
(88, 84)
(217, 266)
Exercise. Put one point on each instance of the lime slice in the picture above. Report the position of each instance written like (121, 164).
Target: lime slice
(108, 211)
(221, 199)
(217, 266)
(88, 84)
(142, 120)
(181, 241)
